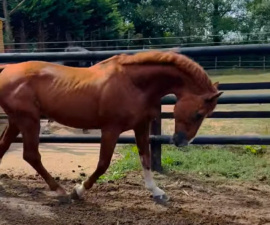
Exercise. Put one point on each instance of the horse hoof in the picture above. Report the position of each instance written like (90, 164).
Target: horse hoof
(74, 195)
(61, 192)
(161, 199)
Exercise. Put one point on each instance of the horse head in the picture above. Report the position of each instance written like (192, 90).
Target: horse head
(189, 112)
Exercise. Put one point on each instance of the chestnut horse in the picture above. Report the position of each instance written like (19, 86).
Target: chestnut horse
(115, 95)
(47, 128)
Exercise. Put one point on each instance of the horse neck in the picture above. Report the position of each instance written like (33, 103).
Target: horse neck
(160, 80)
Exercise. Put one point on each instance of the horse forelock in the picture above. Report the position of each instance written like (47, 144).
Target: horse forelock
(182, 62)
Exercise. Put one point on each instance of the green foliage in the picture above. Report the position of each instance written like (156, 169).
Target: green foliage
(67, 20)
(59, 20)
(129, 161)
(256, 150)
(244, 163)
(219, 162)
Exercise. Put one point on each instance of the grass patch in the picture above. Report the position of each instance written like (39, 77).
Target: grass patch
(129, 161)
(216, 162)
(241, 78)
(237, 71)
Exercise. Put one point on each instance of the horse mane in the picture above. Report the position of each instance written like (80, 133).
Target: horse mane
(182, 62)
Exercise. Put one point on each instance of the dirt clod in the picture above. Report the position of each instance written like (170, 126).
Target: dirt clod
(262, 178)
(4, 176)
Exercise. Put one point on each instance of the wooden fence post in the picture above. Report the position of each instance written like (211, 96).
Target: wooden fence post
(156, 146)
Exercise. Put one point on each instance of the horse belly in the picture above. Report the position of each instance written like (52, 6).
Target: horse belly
(72, 110)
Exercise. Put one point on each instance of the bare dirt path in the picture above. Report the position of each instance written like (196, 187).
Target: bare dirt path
(27, 201)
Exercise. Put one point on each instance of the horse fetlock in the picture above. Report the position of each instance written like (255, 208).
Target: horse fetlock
(158, 192)
(80, 190)
(151, 186)
(0, 161)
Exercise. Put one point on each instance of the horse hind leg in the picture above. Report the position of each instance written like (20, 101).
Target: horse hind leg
(30, 128)
(9, 134)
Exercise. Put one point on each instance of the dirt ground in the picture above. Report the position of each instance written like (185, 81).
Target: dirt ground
(26, 200)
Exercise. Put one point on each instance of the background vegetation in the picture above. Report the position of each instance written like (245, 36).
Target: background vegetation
(141, 23)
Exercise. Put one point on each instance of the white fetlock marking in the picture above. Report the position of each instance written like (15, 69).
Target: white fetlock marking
(80, 189)
(151, 185)
(158, 192)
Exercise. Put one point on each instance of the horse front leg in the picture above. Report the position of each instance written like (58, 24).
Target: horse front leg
(108, 142)
(142, 140)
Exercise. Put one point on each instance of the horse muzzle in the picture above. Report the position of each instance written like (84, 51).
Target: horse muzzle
(180, 139)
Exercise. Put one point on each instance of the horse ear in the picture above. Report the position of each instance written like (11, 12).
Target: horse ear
(213, 97)
(216, 85)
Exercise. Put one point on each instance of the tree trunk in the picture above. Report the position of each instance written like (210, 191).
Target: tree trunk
(22, 37)
(69, 39)
(41, 37)
(215, 23)
(8, 30)
(186, 24)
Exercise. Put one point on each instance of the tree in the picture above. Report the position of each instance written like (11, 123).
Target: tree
(259, 10)
(67, 20)
(8, 10)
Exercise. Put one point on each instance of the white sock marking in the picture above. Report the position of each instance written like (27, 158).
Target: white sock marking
(80, 189)
(151, 185)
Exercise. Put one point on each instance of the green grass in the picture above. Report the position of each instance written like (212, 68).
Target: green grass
(217, 162)
(129, 161)
(241, 163)
(237, 72)
(241, 76)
